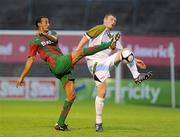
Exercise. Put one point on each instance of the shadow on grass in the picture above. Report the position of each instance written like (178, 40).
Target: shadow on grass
(121, 128)
(106, 128)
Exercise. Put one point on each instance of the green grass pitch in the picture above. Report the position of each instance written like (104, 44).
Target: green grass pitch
(36, 119)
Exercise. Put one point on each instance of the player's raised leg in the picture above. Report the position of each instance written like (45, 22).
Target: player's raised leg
(138, 77)
(79, 54)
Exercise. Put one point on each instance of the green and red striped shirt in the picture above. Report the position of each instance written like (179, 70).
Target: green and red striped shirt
(45, 47)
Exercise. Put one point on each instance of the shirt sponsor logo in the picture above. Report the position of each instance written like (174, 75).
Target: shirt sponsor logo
(48, 42)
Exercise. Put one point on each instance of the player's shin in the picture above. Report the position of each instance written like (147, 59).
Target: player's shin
(95, 49)
(127, 57)
(133, 69)
(99, 104)
(64, 112)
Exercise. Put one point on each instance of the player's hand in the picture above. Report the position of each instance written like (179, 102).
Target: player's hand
(113, 46)
(20, 82)
(115, 38)
(42, 33)
(140, 64)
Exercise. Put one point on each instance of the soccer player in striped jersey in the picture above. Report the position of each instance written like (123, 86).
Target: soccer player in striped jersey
(99, 64)
(46, 44)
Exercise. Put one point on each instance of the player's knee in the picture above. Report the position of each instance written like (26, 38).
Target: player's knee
(102, 94)
(119, 55)
(118, 58)
(71, 97)
(101, 89)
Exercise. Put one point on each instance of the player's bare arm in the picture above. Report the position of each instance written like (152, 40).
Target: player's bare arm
(27, 68)
(82, 42)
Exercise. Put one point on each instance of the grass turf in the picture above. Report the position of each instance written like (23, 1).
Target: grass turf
(36, 119)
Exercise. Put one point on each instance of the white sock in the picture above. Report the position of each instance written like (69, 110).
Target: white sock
(99, 104)
(133, 68)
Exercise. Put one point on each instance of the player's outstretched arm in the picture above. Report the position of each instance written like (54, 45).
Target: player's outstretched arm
(27, 68)
(82, 43)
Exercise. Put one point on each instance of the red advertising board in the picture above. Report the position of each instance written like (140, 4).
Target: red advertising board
(152, 50)
(14, 48)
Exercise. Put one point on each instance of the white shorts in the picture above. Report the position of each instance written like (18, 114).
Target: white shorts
(102, 69)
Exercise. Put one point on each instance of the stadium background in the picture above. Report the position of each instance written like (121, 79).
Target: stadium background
(156, 22)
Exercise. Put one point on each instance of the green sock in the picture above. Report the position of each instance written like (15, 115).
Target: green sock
(95, 49)
(64, 112)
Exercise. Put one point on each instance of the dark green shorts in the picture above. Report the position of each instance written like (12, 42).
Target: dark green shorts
(65, 77)
(62, 68)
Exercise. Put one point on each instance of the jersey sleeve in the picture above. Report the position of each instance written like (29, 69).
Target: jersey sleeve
(33, 47)
(95, 31)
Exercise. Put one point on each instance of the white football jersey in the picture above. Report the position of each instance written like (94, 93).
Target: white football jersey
(104, 36)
